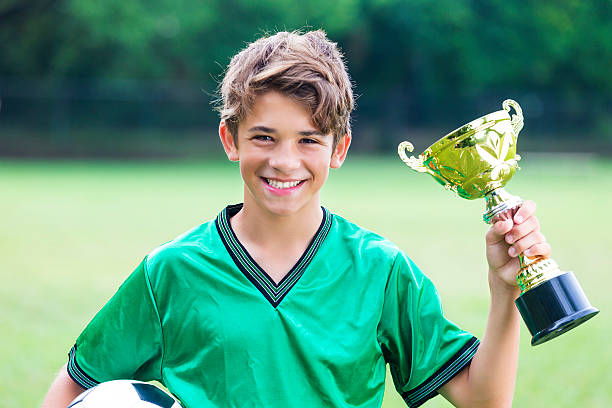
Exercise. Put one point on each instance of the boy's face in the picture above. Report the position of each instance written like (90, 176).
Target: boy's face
(284, 159)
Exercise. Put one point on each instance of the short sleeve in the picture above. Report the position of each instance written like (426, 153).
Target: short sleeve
(423, 349)
(123, 340)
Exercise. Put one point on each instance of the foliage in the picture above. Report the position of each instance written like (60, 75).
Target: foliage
(466, 43)
(411, 60)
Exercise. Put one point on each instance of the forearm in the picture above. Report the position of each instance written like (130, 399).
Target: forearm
(492, 373)
(490, 378)
(62, 391)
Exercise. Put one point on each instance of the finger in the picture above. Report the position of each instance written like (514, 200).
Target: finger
(527, 243)
(498, 231)
(521, 230)
(526, 210)
(542, 249)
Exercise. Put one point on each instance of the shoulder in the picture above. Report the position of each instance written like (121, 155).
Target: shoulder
(194, 243)
(367, 243)
(375, 250)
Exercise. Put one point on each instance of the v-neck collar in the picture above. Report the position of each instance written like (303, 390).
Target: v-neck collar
(272, 291)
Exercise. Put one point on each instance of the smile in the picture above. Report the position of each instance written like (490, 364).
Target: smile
(281, 185)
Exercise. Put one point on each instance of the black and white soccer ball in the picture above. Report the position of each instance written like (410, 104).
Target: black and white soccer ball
(124, 394)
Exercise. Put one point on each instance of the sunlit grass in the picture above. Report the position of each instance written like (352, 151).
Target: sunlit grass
(70, 232)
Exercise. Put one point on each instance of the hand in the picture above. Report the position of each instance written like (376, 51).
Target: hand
(513, 233)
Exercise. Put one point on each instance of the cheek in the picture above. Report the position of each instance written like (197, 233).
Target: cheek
(248, 168)
(323, 168)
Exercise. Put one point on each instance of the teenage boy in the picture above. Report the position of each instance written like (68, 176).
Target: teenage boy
(280, 303)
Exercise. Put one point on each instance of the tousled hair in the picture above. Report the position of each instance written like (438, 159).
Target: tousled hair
(307, 67)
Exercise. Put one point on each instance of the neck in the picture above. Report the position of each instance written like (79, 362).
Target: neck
(255, 224)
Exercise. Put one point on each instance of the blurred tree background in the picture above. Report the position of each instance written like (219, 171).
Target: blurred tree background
(139, 78)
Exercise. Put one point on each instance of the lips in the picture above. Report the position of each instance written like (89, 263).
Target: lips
(282, 185)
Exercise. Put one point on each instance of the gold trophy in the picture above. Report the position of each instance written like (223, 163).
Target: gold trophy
(477, 160)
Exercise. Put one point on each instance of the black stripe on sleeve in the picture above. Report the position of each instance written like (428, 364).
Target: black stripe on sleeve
(76, 372)
(429, 388)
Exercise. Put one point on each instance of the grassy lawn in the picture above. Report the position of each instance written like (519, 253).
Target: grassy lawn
(70, 232)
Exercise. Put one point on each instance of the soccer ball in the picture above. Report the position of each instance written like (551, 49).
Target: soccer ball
(124, 394)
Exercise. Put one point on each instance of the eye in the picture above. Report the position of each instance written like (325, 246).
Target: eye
(308, 140)
(262, 138)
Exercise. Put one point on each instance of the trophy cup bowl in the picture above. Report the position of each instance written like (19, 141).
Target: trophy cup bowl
(476, 161)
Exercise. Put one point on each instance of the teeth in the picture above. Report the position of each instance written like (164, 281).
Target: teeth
(282, 185)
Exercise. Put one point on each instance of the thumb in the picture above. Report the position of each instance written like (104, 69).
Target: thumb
(498, 231)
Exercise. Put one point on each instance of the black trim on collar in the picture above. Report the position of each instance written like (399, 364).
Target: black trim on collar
(272, 291)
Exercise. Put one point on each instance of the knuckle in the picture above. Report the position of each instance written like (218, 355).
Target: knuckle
(530, 205)
(522, 230)
(519, 246)
(538, 249)
(533, 226)
(500, 228)
(534, 222)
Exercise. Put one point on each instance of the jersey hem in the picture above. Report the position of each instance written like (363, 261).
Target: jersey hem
(77, 374)
(429, 388)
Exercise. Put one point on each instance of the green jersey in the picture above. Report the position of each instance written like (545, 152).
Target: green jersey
(203, 318)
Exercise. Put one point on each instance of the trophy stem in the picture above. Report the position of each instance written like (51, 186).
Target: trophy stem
(498, 202)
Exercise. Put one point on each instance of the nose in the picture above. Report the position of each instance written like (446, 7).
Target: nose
(285, 158)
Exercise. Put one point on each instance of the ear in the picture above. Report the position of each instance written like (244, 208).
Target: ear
(340, 151)
(228, 142)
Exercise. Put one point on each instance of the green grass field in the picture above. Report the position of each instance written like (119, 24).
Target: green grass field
(70, 232)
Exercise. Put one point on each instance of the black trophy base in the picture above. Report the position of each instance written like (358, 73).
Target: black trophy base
(554, 307)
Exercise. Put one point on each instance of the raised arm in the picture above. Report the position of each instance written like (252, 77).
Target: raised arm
(62, 391)
(490, 379)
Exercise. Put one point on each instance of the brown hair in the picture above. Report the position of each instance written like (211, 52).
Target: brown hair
(305, 66)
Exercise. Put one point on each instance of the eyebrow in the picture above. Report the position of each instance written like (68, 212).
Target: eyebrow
(265, 129)
(310, 133)
(262, 129)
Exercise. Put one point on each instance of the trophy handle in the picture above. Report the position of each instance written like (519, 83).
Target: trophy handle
(517, 118)
(414, 163)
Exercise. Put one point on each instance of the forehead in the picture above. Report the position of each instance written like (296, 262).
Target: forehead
(275, 110)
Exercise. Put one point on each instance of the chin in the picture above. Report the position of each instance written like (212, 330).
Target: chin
(282, 210)
(283, 207)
